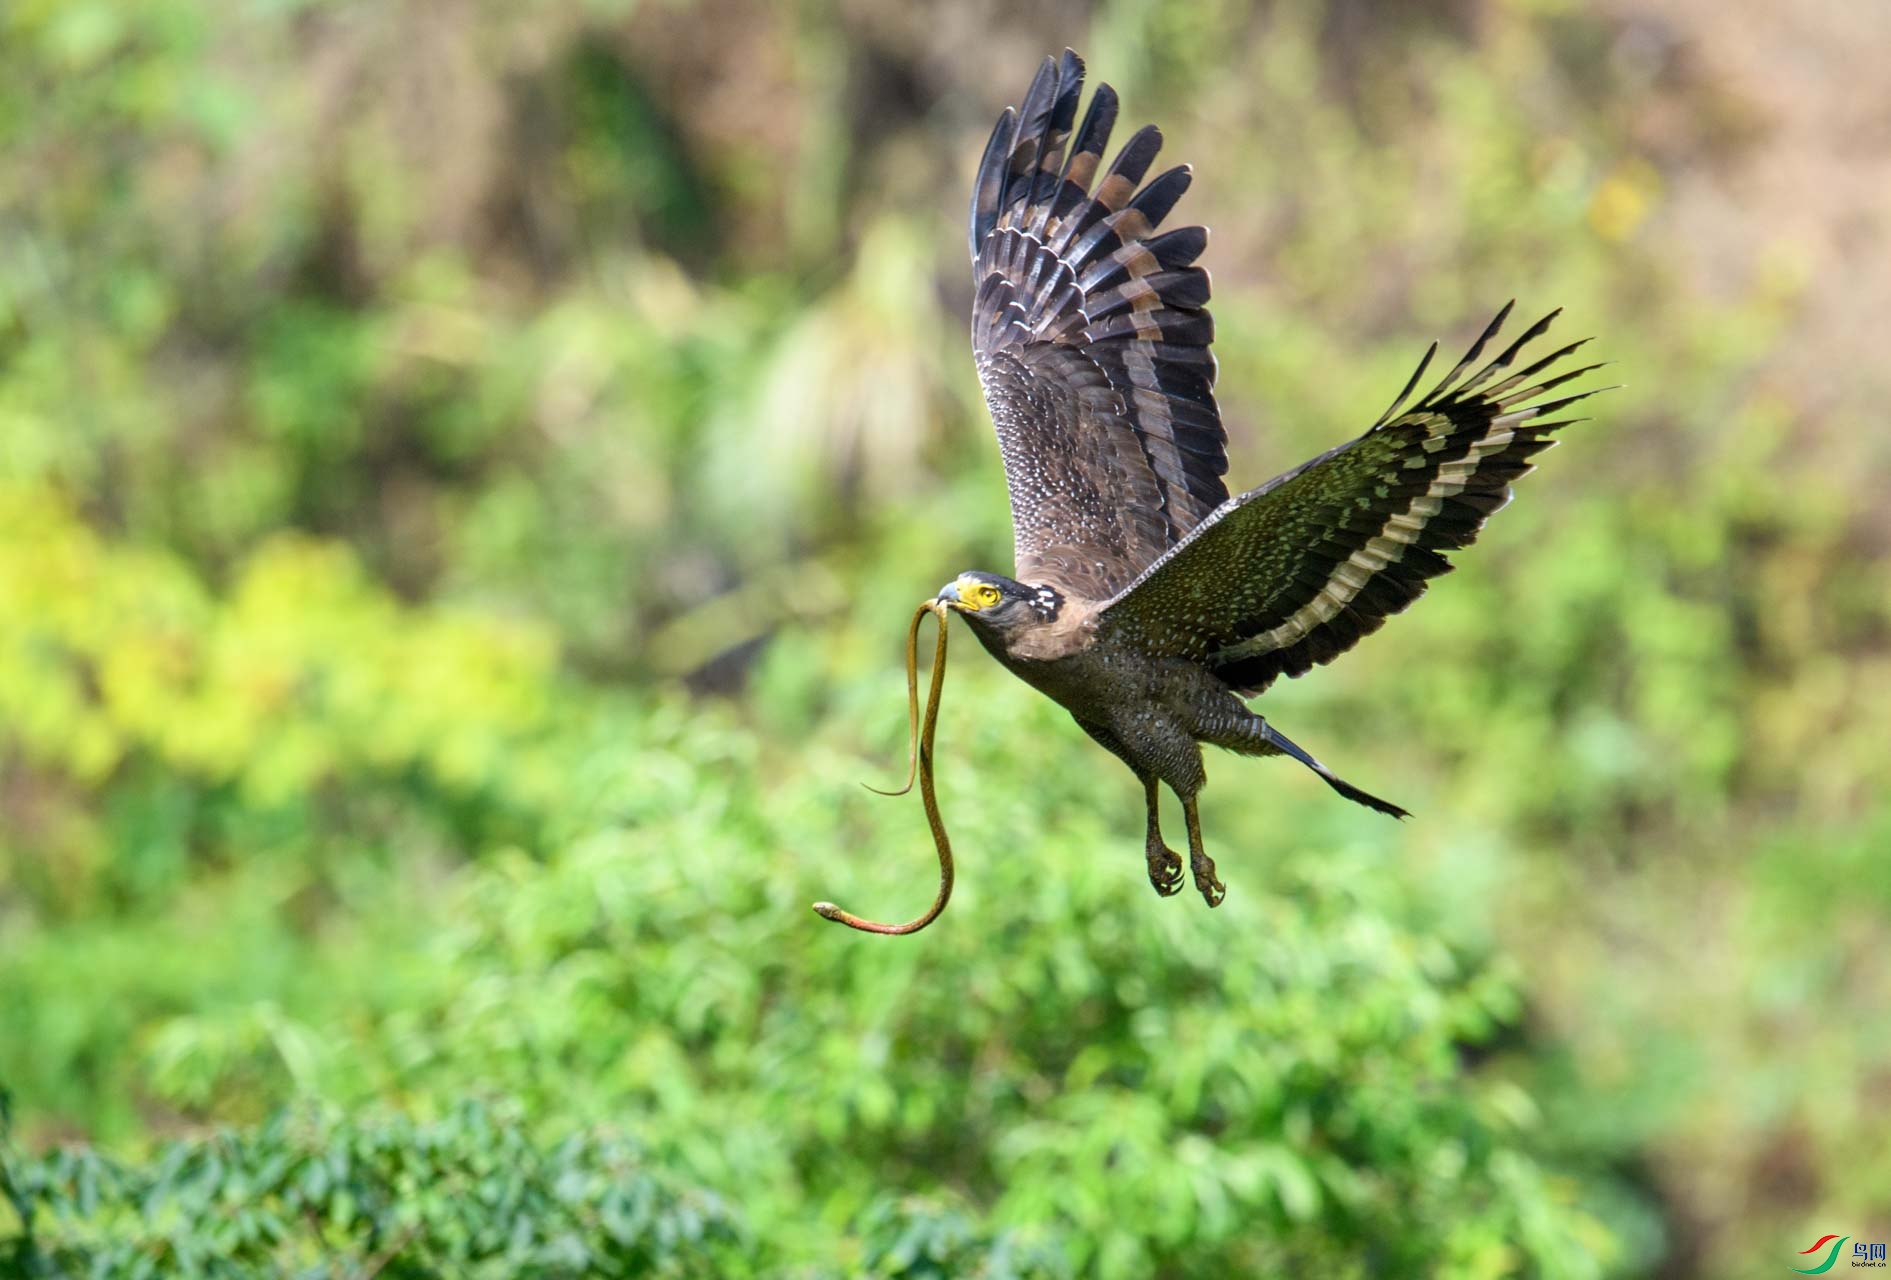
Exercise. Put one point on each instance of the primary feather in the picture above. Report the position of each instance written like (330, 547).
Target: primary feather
(1091, 337)
(1295, 572)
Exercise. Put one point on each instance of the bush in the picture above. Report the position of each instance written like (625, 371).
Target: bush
(317, 1195)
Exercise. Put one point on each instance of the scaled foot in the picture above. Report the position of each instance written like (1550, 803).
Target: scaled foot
(1213, 891)
(1165, 868)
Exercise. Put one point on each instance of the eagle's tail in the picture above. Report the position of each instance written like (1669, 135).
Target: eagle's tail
(1280, 742)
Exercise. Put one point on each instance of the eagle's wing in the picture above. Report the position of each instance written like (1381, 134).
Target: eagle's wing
(1091, 342)
(1296, 571)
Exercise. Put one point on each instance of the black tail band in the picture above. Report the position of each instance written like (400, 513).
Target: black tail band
(1275, 738)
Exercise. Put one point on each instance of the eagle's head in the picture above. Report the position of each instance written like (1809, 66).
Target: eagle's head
(993, 603)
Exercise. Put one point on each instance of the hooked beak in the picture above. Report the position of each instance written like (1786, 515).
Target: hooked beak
(948, 597)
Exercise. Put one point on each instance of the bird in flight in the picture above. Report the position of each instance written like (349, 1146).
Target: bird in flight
(1147, 601)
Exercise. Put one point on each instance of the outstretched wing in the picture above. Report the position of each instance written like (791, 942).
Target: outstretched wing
(1091, 342)
(1296, 571)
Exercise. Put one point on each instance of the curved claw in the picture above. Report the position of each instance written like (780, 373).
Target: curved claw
(1205, 880)
(1165, 870)
(922, 762)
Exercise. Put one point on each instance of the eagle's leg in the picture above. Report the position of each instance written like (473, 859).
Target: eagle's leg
(1203, 866)
(1165, 864)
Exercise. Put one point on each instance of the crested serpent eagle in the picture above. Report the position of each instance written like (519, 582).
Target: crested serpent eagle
(1145, 599)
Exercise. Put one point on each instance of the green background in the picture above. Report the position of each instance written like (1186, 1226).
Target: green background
(464, 470)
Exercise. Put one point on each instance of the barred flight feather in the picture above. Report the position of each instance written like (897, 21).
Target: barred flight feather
(1092, 340)
(1295, 572)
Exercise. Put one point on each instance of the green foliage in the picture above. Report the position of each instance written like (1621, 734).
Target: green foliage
(413, 427)
(1282, 1088)
(469, 1194)
(466, 1195)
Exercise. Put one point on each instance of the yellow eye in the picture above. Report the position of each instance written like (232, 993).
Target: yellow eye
(982, 596)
